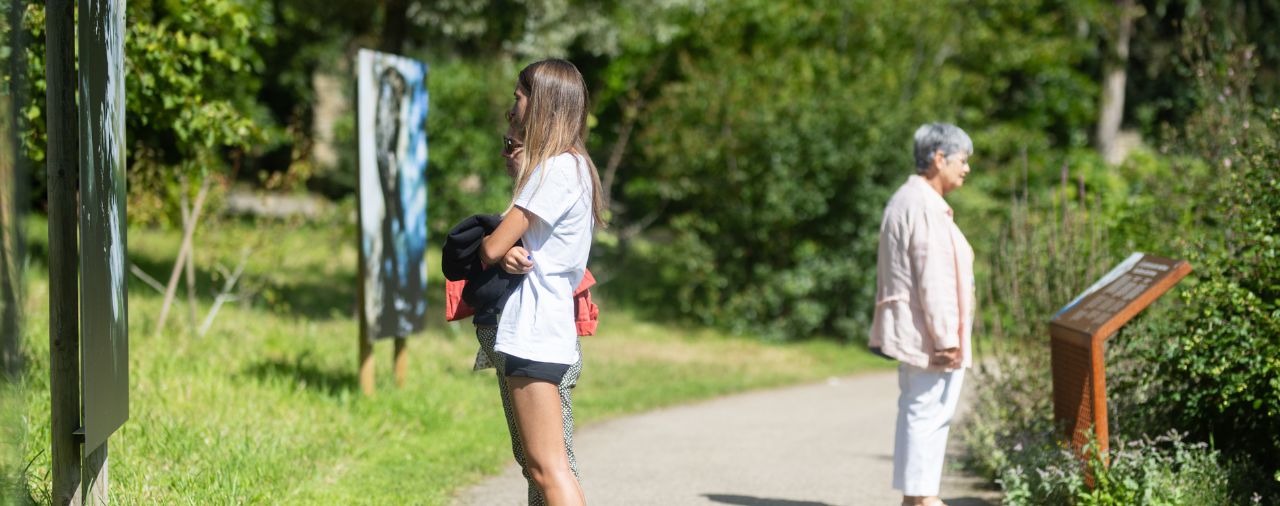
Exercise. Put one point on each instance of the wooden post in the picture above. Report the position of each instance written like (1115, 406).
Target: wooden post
(95, 477)
(10, 250)
(401, 360)
(184, 255)
(64, 314)
(365, 345)
(366, 364)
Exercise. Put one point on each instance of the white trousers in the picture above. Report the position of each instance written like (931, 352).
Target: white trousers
(926, 403)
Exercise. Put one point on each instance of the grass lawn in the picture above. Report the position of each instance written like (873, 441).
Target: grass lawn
(265, 408)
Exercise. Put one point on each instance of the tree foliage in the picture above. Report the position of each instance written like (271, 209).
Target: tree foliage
(795, 125)
(189, 96)
(748, 145)
(1217, 365)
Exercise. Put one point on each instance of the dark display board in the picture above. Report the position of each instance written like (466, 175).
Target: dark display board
(104, 313)
(1121, 288)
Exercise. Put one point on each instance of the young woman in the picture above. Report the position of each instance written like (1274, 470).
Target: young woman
(555, 207)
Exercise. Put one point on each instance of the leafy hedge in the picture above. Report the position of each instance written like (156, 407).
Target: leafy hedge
(1217, 365)
(190, 93)
(794, 127)
(1166, 470)
(1206, 363)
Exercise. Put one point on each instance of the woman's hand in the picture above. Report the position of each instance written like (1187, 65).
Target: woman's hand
(949, 358)
(517, 261)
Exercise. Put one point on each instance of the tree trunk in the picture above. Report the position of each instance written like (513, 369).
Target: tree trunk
(10, 276)
(184, 254)
(631, 113)
(12, 200)
(394, 20)
(1111, 110)
(190, 263)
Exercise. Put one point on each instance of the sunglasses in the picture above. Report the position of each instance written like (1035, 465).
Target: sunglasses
(509, 145)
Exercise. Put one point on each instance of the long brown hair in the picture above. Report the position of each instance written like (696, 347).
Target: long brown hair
(554, 123)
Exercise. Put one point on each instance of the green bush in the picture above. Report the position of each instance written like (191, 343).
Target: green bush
(1218, 364)
(1051, 247)
(1010, 436)
(1165, 470)
(1208, 364)
(794, 127)
(465, 171)
(1214, 368)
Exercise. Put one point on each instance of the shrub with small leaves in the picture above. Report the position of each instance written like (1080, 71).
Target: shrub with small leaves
(1216, 366)
(1164, 470)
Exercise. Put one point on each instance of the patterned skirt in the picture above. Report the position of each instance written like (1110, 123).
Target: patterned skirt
(487, 357)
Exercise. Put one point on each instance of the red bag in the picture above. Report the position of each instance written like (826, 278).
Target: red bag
(454, 308)
(586, 313)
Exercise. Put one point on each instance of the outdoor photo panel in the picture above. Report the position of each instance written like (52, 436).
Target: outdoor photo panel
(392, 121)
(104, 317)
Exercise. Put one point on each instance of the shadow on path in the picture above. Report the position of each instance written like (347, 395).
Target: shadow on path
(764, 448)
(746, 500)
(967, 501)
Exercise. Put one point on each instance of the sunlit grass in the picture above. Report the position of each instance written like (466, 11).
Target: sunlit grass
(265, 408)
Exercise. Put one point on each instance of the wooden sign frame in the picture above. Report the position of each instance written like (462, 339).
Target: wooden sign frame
(1078, 332)
(409, 147)
(89, 377)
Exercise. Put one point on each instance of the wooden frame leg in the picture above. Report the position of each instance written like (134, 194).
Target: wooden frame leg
(401, 360)
(366, 365)
(95, 477)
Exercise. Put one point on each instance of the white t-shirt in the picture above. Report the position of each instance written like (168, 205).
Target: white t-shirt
(538, 321)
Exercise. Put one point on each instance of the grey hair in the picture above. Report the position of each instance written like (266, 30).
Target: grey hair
(932, 137)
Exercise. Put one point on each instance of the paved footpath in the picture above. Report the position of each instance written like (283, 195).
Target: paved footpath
(826, 444)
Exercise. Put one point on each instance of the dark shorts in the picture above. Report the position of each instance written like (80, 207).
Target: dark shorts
(545, 371)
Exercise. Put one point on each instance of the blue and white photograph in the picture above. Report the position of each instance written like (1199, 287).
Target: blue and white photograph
(392, 116)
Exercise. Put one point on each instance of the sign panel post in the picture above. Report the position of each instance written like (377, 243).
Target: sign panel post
(1078, 334)
(391, 126)
(64, 314)
(89, 384)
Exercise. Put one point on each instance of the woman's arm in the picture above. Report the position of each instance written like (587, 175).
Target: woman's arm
(499, 247)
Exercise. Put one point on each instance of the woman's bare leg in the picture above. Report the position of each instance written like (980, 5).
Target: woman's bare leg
(538, 414)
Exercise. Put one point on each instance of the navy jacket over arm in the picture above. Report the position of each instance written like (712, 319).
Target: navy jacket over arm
(487, 289)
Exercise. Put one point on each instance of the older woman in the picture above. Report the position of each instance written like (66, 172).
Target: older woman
(924, 307)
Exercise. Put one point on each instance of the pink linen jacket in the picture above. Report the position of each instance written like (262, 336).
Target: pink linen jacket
(924, 279)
